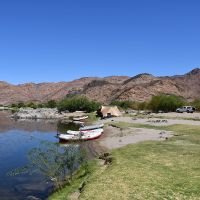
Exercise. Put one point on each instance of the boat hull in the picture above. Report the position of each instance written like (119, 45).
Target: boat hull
(83, 136)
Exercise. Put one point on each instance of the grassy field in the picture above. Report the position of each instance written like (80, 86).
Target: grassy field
(152, 170)
(141, 116)
(78, 179)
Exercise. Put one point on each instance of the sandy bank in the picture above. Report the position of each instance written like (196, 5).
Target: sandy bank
(152, 121)
(116, 137)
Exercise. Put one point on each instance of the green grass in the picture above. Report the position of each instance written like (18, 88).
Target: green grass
(152, 170)
(81, 176)
(149, 170)
(140, 116)
(92, 118)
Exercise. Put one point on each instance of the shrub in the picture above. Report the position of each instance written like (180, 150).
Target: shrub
(196, 104)
(31, 105)
(51, 104)
(77, 103)
(165, 103)
(124, 104)
(20, 105)
(141, 105)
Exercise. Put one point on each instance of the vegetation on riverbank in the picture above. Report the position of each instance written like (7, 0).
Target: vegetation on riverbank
(77, 182)
(148, 170)
(78, 103)
(152, 170)
(162, 102)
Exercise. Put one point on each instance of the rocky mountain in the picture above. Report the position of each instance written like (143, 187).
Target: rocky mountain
(139, 88)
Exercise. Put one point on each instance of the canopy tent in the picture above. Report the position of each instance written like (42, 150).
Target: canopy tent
(107, 111)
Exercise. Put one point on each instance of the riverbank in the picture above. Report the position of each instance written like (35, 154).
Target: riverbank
(165, 168)
(44, 113)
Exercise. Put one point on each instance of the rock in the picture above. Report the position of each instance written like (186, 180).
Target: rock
(43, 113)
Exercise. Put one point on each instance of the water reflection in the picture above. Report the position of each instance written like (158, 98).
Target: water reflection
(63, 127)
(55, 163)
(32, 148)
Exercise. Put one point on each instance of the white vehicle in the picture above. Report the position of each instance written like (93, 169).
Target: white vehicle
(188, 109)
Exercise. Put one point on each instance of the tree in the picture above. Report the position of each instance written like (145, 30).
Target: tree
(124, 104)
(31, 105)
(56, 164)
(20, 105)
(77, 103)
(51, 104)
(165, 103)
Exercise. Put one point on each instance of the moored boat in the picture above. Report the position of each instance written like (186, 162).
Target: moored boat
(93, 127)
(79, 135)
(80, 118)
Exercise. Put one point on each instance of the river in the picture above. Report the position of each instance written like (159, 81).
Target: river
(24, 148)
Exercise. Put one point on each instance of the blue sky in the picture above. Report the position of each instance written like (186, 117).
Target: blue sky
(61, 40)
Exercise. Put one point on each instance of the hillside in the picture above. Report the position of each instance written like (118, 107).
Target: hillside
(105, 90)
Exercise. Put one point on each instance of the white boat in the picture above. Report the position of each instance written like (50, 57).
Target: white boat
(93, 127)
(80, 118)
(79, 123)
(85, 135)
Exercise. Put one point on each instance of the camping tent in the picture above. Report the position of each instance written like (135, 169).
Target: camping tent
(107, 111)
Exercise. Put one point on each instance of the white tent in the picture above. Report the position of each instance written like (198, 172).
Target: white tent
(107, 111)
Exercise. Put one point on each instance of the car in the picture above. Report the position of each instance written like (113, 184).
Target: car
(188, 109)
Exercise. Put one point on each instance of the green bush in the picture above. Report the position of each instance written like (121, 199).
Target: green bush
(31, 105)
(196, 104)
(166, 103)
(124, 104)
(77, 103)
(21, 105)
(51, 104)
(141, 105)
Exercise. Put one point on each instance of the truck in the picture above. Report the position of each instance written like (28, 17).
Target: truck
(188, 109)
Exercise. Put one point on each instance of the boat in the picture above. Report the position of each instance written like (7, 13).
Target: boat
(79, 135)
(80, 118)
(93, 127)
(79, 123)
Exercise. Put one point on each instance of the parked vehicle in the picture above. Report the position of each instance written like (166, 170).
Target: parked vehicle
(79, 135)
(188, 109)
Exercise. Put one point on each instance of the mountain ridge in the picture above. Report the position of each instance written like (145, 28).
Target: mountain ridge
(137, 88)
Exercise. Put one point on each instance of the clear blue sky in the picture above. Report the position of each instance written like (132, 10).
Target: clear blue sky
(61, 40)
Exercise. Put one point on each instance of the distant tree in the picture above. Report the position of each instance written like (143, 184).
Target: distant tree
(13, 105)
(142, 105)
(77, 103)
(196, 104)
(51, 104)
(20, 105)
(124, 104)
(165, 103)
(31, 105)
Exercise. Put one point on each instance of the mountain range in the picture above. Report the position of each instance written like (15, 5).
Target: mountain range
(138, 88)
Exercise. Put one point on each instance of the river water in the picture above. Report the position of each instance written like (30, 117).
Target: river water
(25, 144)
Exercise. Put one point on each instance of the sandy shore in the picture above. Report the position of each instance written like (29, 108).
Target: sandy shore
(152, 121)
(117, 137)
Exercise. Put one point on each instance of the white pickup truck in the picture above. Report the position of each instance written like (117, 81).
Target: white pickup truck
(188, 109)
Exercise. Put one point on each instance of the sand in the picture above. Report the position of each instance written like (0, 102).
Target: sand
(153, 121)
(116, 137)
